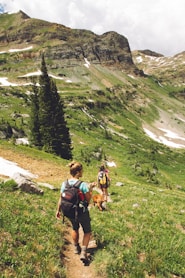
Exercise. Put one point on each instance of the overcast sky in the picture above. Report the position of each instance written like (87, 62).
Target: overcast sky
(158, 25)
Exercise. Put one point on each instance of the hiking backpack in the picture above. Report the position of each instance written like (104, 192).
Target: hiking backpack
(102, 177)
(70, 200)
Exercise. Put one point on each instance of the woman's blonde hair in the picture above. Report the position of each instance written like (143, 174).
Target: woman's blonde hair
(75, 167)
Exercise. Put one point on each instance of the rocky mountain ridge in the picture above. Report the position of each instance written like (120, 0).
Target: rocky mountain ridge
(68, 47)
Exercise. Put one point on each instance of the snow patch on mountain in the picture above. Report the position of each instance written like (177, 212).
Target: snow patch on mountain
(8, 168)
(16, 50)
(168, 130)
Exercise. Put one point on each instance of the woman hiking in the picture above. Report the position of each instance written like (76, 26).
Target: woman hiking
(83, 218)
(103, 181)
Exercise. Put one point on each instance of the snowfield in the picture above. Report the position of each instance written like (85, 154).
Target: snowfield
(8, 168)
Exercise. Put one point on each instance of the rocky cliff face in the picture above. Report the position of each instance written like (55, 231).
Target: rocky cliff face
(67, 45)
(110, 49)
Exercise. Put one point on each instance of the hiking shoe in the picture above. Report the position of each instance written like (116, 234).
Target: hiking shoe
(83, 257)
(77, 249)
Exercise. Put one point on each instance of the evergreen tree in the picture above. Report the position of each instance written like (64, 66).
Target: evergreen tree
(35, 136)
(45, 109)
(61, 139)
(53, 130)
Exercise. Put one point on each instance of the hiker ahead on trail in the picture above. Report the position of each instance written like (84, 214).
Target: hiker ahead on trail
(73, 203)
(103, 181)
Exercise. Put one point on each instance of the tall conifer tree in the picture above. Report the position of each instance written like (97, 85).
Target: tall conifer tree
(54, 133)
(35, 136)
(45, 109)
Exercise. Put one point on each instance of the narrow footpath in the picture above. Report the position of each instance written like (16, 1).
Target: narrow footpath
(75, 268)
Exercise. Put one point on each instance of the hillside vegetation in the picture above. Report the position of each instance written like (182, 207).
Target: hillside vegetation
(141, 234)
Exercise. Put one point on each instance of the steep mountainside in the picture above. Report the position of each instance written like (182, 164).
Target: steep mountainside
(112, 107)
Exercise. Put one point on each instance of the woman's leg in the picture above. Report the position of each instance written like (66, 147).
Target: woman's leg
(86, 225)
(86, 239)
(105, 194)
(75, 236)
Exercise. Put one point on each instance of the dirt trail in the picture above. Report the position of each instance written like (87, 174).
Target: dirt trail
(75, 268)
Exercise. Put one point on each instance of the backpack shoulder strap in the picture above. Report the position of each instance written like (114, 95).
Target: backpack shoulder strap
(66, 183)
(77, 184)
(100, 173)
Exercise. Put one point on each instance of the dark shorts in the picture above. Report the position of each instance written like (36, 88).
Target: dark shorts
(104, 186)
(85, 221)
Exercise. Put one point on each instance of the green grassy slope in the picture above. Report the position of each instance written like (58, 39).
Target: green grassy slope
(140, 233)
(31, 237)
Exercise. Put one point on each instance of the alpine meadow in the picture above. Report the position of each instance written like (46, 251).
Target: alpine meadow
(102, 104)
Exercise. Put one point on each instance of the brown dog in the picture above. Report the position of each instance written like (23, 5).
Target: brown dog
(98, 200)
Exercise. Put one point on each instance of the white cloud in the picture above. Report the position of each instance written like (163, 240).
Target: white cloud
(156, 25)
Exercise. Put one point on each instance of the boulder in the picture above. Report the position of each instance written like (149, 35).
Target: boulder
(26, 184)
(119, 183)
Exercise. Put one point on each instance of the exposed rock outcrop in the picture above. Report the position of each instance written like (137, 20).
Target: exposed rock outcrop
(26, 184)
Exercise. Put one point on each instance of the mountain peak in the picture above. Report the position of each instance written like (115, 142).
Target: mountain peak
(151, 53)
(23, 14)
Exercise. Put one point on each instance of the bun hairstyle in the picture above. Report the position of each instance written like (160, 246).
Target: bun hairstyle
(75, 167)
